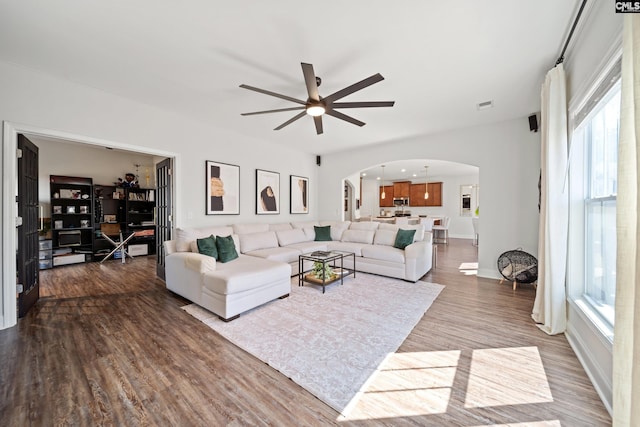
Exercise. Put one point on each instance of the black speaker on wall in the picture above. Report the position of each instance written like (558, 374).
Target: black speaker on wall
(318, 160)
(533, 123)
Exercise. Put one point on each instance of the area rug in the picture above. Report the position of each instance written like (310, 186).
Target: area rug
(330, 344)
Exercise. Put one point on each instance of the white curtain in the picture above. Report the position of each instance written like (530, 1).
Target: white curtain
(549, 308)
(626, 341)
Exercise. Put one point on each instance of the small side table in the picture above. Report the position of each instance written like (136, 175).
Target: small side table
(331, 258)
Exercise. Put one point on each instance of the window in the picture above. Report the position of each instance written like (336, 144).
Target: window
(596, 140)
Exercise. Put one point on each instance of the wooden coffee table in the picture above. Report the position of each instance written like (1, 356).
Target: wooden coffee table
(335, 259)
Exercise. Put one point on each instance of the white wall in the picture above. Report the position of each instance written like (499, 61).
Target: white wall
(508, 156)
(594, 44)
(33, 99)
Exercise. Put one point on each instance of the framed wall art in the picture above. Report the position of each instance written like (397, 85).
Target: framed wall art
(267, 192)
(299, 194)
(223, 188)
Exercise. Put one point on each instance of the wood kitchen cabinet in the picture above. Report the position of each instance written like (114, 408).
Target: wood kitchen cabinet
(435, 194)
(387, 202)
(401, 189)
(416, 198)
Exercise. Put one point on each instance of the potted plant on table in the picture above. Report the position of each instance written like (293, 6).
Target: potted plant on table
(320, 268)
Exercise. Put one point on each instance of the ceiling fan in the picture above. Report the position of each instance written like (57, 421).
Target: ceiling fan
(316, 105)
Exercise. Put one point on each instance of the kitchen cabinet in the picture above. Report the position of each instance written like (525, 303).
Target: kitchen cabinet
(416, 197)
(401, 189)
(387, 202)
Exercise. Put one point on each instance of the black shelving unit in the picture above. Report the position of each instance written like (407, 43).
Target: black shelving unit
(109, 212)
(140, 218)
(72, 226)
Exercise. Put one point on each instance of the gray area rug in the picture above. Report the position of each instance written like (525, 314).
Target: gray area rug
(329, 344)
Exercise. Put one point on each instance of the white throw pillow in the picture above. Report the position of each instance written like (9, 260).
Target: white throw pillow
(290, 237)
(385, 237)
(358, 236)
(337, 228)
(255, 241)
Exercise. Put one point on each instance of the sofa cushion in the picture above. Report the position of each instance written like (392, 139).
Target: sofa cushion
(307, 247)
(304, 224)
(337, 228)
(404, 238)
(207, 246)
(366, 225)
(198, 262)
(383, 253)
(226, 248)
(323, 233)
(358, 236)
(186, 236)
(356, 248)
(310, 232)
(244, 274)
(419, 236)
(385, 237)
(276, 254)
(290, 237)
(280, 227)
(250, 228)
(254, 241)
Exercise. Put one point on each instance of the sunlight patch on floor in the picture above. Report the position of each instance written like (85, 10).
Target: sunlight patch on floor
(469, 268)
(506, 376)
(407, 384)
(551, 423)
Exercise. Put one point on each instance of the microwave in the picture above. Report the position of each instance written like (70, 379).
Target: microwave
(400, 201)
(70, 238)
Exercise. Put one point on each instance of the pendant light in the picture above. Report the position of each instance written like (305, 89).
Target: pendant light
(426, 180)
(383, 195)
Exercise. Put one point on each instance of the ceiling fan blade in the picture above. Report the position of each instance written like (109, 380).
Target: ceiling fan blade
(318, 121)
(354, 88)
(293, 119)
(339, 115)
(277, 95)
(310, 81)
(272, 111)
(362, 104)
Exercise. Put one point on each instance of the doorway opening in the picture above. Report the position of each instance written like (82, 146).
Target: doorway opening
(10, 239)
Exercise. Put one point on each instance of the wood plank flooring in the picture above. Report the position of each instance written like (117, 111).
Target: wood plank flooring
(109, 345)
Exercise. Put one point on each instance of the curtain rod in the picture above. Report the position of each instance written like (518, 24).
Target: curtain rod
(575, 23)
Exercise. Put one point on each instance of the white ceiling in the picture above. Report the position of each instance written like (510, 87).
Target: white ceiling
(439, 58)
(413, 170)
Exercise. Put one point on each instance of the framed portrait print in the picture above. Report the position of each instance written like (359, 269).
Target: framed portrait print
(223, 188)
(267, 192)
(299, 194)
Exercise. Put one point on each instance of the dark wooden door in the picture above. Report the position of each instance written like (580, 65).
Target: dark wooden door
(27, 255)
(163, 212)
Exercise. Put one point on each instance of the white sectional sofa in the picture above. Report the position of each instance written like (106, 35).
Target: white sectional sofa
(269, 257)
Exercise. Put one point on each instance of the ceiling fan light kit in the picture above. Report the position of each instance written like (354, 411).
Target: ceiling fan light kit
(316, 106)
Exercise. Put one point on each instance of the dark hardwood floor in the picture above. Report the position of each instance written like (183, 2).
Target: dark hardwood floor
(109, 345)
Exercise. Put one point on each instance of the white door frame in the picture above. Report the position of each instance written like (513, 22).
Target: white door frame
(9, 210)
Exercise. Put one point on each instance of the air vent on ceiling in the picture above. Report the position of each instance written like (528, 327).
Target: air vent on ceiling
(484, 105)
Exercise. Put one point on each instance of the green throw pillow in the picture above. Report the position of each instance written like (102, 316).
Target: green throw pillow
(207, 246)
(404, 238)
(323, 234)
(226, 249)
